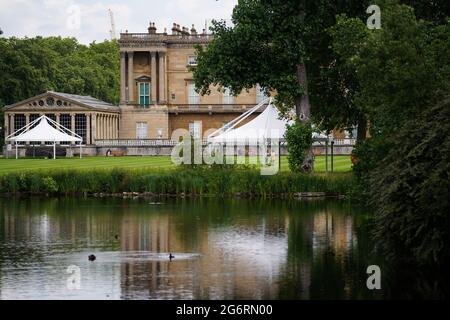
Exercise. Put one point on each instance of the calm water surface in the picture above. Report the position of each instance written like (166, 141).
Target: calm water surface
(224, 249)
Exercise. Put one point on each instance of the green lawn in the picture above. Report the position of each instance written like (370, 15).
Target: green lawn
(341, 163)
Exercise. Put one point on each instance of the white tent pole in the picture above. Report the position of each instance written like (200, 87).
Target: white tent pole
(17, 154)
(241, 118)
(54, 150)
(80, 150)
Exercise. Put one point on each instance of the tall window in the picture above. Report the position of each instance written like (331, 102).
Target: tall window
(53, 117)
(33, 117)
(195, 129)
(194, 98)
(66, 121)
(144, 94)
(227, 97)
(141, 130)
(80, 126)
(260, 94)
(19, 122)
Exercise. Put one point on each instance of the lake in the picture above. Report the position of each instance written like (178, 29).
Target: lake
(223, 248)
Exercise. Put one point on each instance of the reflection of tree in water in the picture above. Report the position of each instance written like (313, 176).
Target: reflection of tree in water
(325, 253)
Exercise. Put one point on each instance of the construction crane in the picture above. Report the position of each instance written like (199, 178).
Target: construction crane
(113, 25)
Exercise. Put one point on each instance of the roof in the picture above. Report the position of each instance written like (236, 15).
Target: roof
(268, 125)
(86, 101)
(43, 131)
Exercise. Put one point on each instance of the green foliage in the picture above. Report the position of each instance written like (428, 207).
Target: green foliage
(49, 185)
(31, 66)
(215, 180)
(410, 189)
(299, 138)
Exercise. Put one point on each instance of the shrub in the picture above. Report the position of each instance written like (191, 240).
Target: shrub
(410, 189)
(299, 139)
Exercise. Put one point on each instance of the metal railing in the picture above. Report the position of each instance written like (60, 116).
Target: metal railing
(219, 108)
(171, 143)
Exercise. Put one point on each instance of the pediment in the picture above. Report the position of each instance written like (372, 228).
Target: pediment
(46, 101)
(143, 79)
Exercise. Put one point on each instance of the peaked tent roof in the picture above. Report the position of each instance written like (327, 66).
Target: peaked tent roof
(267, 125)
(43, 131)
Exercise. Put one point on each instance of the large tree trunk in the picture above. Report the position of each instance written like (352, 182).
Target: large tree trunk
(303, 111)
(362, 128)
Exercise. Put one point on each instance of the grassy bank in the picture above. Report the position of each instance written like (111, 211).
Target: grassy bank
(181, 180)
(341, 163)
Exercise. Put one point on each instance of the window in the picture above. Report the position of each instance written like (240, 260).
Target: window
(260, 94)
(33, 117)
(80, 126)
(195, 129)
(141, 130)
(66, 121)
(227, 97)
(192, 61)
(19, 122)
(144, 94)
(52, 117)
(194, 98)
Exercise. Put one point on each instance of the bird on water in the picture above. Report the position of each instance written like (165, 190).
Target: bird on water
(92, 257)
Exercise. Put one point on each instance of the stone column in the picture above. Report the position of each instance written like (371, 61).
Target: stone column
(162, 75)
(57, 115)
(40, 115)
(27, 122)
(88, 128)
(13, 126)
(122, 77)
(72, 122)
(130, 77)
(94, 128)
(99, 126)
(108, 126)
(7, 133)
(103, 127)
(153, 82)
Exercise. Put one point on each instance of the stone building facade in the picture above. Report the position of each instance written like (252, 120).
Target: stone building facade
(157, 88)
(157, 96)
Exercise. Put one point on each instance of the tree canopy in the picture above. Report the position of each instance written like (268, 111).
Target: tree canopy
(31, 66)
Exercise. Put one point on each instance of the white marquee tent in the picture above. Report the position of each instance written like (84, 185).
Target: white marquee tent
(44, 129)
(267, 125)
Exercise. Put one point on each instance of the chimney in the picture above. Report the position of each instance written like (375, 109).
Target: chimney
(174, 29)
(193, 31)
(152, 28)
(165, 31)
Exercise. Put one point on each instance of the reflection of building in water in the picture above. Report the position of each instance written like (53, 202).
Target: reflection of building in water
(333, 231)
(242, 261)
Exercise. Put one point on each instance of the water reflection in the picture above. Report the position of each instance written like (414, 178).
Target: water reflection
(224, 249)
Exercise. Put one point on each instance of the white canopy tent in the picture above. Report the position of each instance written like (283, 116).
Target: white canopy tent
(267, 125)
(44, 129)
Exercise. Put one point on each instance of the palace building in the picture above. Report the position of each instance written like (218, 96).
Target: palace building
(157, 96)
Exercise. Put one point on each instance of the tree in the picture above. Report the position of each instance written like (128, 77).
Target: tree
(412, 220)
(32, 66)
(273, 44)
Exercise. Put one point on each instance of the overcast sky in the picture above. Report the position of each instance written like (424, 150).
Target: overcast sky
(88, 20)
